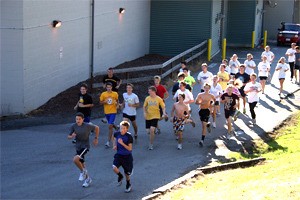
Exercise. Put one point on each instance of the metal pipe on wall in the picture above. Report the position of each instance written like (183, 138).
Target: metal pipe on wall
(92, 44)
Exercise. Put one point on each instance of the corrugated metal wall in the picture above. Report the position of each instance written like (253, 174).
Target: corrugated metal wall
(178, 25)
(240, 22)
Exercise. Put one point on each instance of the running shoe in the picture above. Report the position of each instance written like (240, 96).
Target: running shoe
(236, 114)
(157, 131)
(166, 118)
(104, 121)
(254, 121)
(135, 137)
(244, 111)
(128, 187)
(214, 124)
(107, 144)
(74, 141)
(82, 175)
(87, 182)
(208, 127)
(116, 127)
(150, 147)
(193, 123)
(120, 178)
(228, 136)
(201, 143)
(179, 146)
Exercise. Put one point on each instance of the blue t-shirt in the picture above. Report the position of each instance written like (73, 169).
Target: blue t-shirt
(127, 139)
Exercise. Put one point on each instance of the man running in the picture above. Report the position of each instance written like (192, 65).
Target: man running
(244, 78)
(152, 113)
(204, 77)
(81, 131)
(129, 105)
(205, 100)
(181, 77)
(179, 115)
(109, 99)
(123, 145)
(231, 102)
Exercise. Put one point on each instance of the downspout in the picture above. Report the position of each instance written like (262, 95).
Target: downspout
(92, 46)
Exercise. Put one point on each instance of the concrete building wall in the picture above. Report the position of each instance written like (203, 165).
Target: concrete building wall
(39, 61)
(274, 15)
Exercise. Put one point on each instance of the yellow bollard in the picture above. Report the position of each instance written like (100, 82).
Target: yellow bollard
(224, 49)
(253, 39)
(265, 38)
(209, 49)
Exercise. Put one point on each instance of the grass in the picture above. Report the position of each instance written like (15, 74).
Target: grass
(277, 178)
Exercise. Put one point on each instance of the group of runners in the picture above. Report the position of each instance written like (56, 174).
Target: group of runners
(234, 81)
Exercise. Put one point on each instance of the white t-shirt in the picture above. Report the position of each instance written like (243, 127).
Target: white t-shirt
(269, 55)
(291, 51)
(253, 95)
(249, 63)
(263, 69)
(227, 69)
(282, 72)
(188, 96)
(132, 99)
(216, 91)
(234, 66)
(205, 78)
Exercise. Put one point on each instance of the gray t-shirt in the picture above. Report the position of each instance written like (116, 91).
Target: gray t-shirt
(82, 134)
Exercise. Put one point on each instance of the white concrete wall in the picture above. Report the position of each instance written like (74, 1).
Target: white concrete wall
(273, 16)
(120, 37)
(38, 61)
(11, 45)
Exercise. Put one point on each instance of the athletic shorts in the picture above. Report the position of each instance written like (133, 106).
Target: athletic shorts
(281, 78)
(151, 122)
(110, 118)
(229, 113)
(217, 103)
(242, 92)
(130, 117)
(263, 78)
(81, 153)
(126, 161)
(297, 67)
(178, 124)
(204, 114)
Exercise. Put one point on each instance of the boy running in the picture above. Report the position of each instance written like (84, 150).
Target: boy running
(205, 101)
(179, 115)
(81, 131)
(231, 102)
(129, 105)
(123, 145)
(109, 100)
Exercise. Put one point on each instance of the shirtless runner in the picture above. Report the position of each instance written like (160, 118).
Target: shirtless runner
(179, 116)
(205, 101)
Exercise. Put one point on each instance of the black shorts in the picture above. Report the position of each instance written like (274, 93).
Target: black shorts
(81, 153)
(263, 78)
(297, 67)
(242, 92)
(151, 122)
(130, 117)
(217, 103)
(204, 115)
(126, 161)
(281, 78)
(229, 113)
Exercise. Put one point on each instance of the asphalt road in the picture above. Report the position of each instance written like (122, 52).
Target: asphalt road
(36, 162)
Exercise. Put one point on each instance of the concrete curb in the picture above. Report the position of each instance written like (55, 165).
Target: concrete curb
(201, 172)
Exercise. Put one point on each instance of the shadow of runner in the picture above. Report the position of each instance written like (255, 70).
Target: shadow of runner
(278, 103)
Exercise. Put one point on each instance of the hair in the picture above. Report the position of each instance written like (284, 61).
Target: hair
(108, 83)
(249, 54)
(180, 75)
(183, 83)
(230, 86)
(223, 65)
(183, 62)
(281, 58)
(215, 76)
(125, 123)
(238, 83)
(225, 60)
(297, 47)
(129, 84)
(79, 114)
(253, 74)
(204, 64)
(185, 69)
(152, 88)
(110, 68)
(233, 56)
(84, 85)
(157, 77)
(267, 47)
(183, 95)
(207, 84)
(242, 65)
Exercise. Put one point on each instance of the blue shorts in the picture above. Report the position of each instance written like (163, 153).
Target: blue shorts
(110, 118)
(126, 161)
